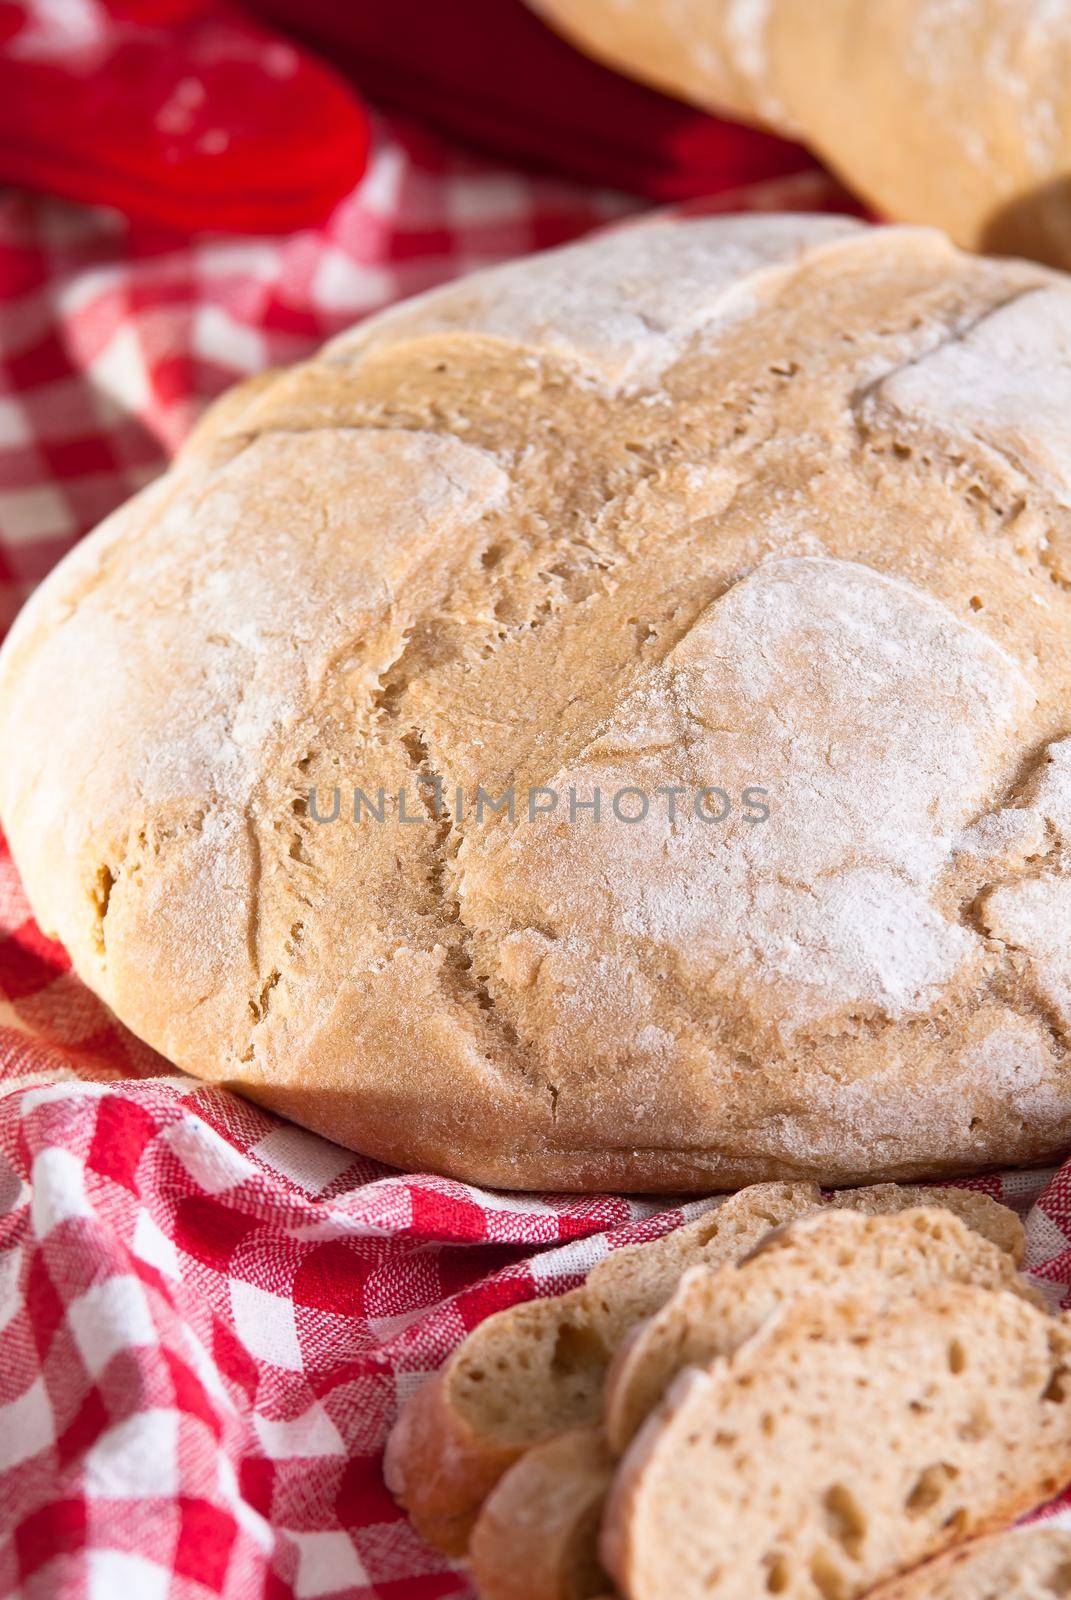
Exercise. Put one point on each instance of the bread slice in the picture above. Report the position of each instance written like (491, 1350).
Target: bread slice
(1026, 1564)
(536, 1537)
(536, 1369)
(850, 1439)
(712, 1311)
(979, 1211)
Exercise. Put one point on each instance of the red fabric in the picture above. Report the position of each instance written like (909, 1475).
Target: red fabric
(193, 115)
(207, 1317)
(492, 73)
(185, 112)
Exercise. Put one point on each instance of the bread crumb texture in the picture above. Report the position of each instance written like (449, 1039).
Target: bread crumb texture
(539, 1525)
(847, 1441)
(1026, 1564)
(766, 501)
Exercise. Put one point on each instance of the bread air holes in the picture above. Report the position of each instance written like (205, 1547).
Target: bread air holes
(1056, 1388)
(977, 1425)
(845, 1519)
(957, 1358)
(828, 1578)
(1058, 1581)
(576, 1349)
(929, 1487)
(778, 1573)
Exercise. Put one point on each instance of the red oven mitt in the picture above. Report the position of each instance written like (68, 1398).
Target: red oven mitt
(184, 112)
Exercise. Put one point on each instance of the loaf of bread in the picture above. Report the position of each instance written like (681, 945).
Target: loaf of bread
(712, 1313)
(754, 532)
(1026, 1564)
(527, 1374)
(952, 114)
(847, 1441)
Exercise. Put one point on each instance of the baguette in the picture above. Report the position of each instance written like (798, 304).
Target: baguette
(850, 1439)
(711, 1313)
(528, 1373)
(536, 1369)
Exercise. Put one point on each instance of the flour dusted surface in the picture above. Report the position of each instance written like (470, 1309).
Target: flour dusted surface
(767, 507)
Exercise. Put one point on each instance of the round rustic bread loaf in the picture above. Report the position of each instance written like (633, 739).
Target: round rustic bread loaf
(956, 114)
(773, 504)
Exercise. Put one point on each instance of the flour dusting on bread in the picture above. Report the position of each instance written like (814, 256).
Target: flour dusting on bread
(766, 510)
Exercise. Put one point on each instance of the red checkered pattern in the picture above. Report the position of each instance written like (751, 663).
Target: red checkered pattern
(208, 1317)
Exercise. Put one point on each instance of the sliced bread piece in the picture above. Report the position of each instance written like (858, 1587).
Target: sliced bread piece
(1025, 1564)
(713, 1310)
(979, 1211)
(529, 1372)
(850, 1439)
(711, 1313)
(536, 1537)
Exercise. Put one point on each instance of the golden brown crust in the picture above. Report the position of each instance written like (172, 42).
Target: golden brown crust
(537, 1533)
(771, 501)
(440, 1469)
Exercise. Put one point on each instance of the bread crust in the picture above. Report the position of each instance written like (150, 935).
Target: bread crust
(537, 1533)
(769, 501)
(441, 1469)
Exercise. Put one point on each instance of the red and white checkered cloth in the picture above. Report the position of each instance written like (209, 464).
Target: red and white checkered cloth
(208, 1317)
